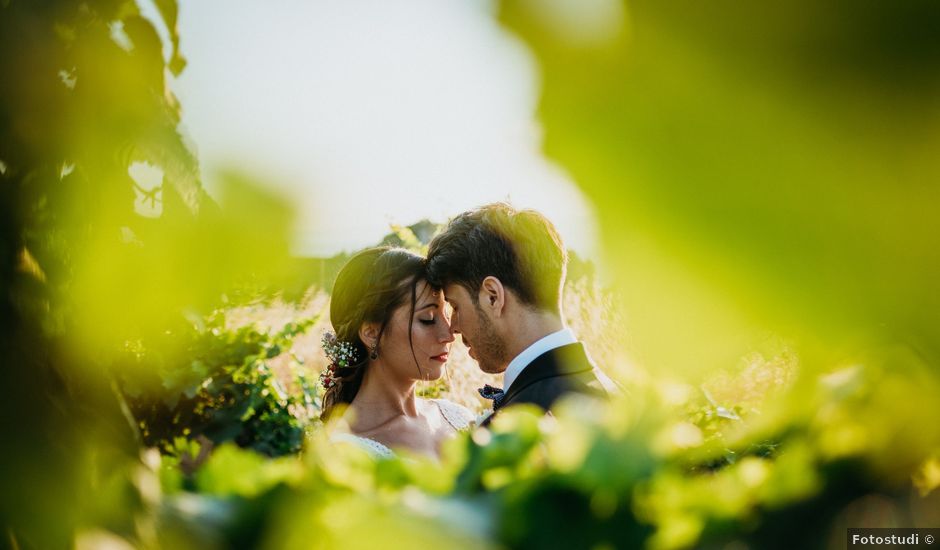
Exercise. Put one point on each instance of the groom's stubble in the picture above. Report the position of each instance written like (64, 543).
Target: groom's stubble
(489, 345)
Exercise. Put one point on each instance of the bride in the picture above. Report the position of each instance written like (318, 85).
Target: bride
(390, 331)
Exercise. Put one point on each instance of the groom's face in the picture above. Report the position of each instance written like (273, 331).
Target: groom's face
(477, 331)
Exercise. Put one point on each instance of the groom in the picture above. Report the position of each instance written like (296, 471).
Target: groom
(502, 271)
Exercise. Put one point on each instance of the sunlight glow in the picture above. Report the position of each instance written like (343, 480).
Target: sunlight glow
(367, 113)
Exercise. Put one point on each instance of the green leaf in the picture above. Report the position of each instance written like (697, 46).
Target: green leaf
(169, 10)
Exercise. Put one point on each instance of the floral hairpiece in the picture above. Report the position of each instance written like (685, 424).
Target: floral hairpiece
(340, 353)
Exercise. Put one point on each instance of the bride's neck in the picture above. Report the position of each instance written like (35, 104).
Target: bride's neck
(382, 395)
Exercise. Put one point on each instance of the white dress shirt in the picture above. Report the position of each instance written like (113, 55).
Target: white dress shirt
(554, 340)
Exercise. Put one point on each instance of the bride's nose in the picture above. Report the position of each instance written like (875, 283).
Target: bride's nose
(447, 334)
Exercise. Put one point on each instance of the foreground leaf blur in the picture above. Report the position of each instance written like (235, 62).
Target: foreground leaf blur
(764, 181)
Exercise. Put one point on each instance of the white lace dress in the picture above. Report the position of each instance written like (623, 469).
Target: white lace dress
(456, 415)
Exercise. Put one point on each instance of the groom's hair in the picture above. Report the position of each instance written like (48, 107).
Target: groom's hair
(521, 248)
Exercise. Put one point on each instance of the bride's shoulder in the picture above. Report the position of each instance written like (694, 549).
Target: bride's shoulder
(458, 416)
(373, 447)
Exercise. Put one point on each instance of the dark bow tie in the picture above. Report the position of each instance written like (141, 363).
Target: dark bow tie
(496, 394)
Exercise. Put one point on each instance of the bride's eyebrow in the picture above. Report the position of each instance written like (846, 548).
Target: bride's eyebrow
(425, 306)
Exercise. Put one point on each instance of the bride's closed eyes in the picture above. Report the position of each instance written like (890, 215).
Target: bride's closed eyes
(432, 319)
(429, 310)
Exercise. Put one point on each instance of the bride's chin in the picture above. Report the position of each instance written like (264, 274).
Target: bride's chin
(434, 372)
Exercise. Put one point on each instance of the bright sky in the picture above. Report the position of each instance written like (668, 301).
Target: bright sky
(368, 112)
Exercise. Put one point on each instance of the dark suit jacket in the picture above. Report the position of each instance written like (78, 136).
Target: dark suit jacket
(552, 375)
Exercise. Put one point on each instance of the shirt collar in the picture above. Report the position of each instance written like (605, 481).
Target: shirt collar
(547, 343)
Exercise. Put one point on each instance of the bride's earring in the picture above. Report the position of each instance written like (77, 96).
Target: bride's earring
(374, 354)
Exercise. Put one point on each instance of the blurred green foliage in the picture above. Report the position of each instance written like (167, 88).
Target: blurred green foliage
(628, 474)
(754, 167)
(93, 261)
(757, 170)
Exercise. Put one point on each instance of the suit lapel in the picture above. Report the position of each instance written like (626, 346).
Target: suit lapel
(561, 361)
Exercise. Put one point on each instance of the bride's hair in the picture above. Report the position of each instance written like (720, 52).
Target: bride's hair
(368, 289)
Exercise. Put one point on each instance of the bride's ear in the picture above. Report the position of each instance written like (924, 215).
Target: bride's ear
(493, 295)
(369, 334)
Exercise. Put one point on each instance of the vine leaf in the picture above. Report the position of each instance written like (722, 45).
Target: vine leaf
(147, 49)
(169, 10)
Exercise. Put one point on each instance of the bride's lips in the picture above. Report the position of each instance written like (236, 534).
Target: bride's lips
(442, 358)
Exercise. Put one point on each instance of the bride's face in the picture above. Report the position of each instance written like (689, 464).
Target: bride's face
(430, 337)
